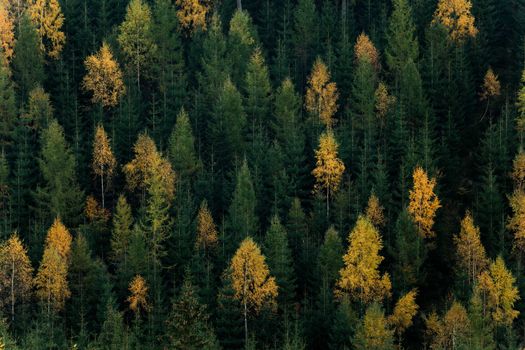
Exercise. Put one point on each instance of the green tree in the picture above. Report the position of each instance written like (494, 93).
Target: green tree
(8, 109)
(242, 39)
(181, 148)
(304, 37)
(373, 333)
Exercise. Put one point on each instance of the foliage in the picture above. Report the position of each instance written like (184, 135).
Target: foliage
(423, 202)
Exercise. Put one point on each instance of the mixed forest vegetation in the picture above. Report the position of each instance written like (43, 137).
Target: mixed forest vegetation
(272, 174)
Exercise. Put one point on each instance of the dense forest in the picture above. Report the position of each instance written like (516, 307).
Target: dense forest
(262, 174)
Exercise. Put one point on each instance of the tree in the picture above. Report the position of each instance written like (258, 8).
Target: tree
(60, 194)
(251, 280)
(455, 15)
(8, 111)
(365, 50)
(517, 221)
(499, 292)
(329, 168)
(136, 37)
(104, 161)
(48, 19)
(451, 331)
(192, 14)
(104, 77)
(520, 122)
(402, 45)
(404, 313)
(242, 40)
(138, 298)
(491, 86)
(469, 249)
(16, 274)
(258, 92)
(51, 280)
(188, 326)
(360, 278)
(373, 333)
(206, 230)
(375, 211)
(423, 202)
(181, 148)
(321, 94)
(121, 238)
(6, 33)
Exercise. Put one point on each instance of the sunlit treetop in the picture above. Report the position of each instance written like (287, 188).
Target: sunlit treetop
(321, 94)
(491, 86)
(365, 50)
(456, 17)
(192, 14)
(7, 37)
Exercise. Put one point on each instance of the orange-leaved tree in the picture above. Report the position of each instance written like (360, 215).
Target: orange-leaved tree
(423, 202)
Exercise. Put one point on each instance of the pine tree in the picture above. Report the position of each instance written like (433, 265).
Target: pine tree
(8, 111)
(103, 78)
(304, 37)
(181, 149)
(48, 19)
(242, 40)
(16, 274)
(113, 334)
(121, 239)
(404, 313)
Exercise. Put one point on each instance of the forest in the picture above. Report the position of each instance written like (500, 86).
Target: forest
(262, 174)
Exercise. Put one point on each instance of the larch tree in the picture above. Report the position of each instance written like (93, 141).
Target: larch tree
(404, 312)
(251, 281)
(104, 161)
(450, 331)
(490, 89)
(470, 252)
(136, 37)
(360, 277)
(321, 94)
(48, 19)
(374, 332)
(329, 168)
(8, 110)
(51, 283)
(7, 36)
(138, 296)
(104, 77)
(520, 103)
(375, 211)
(364, 50)
(456, 17)
(16, 274)
(518, 170)
(207, 237)
(121, 238)
(516, 222)
(192, 14)
(498, 290)
(423, 202)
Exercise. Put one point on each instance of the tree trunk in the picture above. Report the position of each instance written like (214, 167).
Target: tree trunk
(239, 5)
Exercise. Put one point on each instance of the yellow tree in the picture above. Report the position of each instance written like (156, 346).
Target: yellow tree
(148, 162)
(104, 77)
(364, 49)
(491, 88)
(360, 277)
(192, 14)
(329, 168)
(456, 17)
(7, 36)
(251, 281)
(104, 161)
(16, 273)
(499, 293)
(518, 170)
(447, 333)
(48, 19)
(470, 252)
(516, 222)
(374, 333)
(321, 94)
(51, 279)
(520, 122)
(404, 312)
(384, 102)
(375, 211)
(138, 298)
(423, 202)
(206, 230)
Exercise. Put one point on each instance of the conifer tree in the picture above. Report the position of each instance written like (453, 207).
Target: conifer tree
(113, 334)
(404, 313)
(104, 161)
(304, 36)
(242, 40)
(48, 19)
(121, 237)
(321, 94)
(373, 333)
(181, 149)
(455, 15)
(192, 14)
(8, 109)
(6, 33)
(258, 93)
(423, 202)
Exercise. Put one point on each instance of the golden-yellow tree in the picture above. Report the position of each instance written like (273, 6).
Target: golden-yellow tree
(103, 77)
(7, 36)
(321, 94)
(456, 17)
(48, 19)
(16, 274)
(51, 279)
(138, 295)
(148, 162)
(423, 202)
(404, 313)
(516, 222)
(520, 120)
(364, 50)
(95, 212)
(384, 102)
(518, 170)
(206, 230)
(491, 86)
(104, 161)
(470, 252)
(499, 293)
(192, 14)
(329, 168)
(251, 281)
(446, 333)
(360, 278)
(375, 211)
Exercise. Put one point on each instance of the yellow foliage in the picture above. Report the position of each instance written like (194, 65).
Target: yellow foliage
(192, 14)
(469, 249)
(423, 202)
(491, 86)
(384, 101)
(455, 15)
(521, 105)
(498, 290)
(48, 19)
(250, 276)
(364, 50)
(517, 220)
(329, 168)
(404, 312)
(103, 77)
(374, 211)
(146, 163)
(7, 36)
(321, 94)
(360, 277)
(206, 229)
(104, 161)
(373, 333)
(138, 295)
(518, 170)
(445, 333)
(94, 212)
(51, 279)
